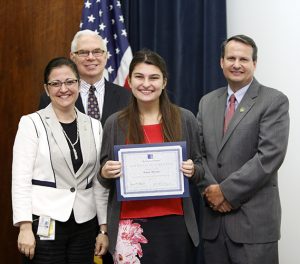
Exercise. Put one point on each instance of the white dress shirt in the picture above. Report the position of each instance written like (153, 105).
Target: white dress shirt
(99, 92)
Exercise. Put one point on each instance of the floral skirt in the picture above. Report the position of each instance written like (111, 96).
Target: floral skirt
(160, 240)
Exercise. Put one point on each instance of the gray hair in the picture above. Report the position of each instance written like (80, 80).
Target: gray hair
(85, 32)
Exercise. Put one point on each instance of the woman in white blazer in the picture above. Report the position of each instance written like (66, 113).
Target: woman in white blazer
(57, 201)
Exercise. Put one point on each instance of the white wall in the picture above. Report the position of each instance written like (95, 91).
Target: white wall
(275, 27)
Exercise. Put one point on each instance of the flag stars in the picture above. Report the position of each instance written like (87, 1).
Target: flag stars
(110, 69)
(91, 18)
(87, 4)
(102, 26)
(108, 22)
(124, 33)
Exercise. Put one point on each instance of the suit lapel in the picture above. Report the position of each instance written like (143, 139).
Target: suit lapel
(109, 97)
(219, 116)
(56, 130)
(243, 108)
(79, 104)
(85, 140)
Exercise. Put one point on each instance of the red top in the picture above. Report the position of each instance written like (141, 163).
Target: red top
(155, 207)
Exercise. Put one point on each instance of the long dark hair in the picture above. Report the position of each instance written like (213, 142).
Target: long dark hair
(170, 113)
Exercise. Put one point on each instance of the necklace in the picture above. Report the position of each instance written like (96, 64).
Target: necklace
(147, 138)
(76, 141)
(155, 133)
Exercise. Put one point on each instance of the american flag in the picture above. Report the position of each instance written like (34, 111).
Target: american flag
(105, 17)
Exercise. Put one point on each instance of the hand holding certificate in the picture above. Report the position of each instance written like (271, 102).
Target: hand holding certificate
(151, 171)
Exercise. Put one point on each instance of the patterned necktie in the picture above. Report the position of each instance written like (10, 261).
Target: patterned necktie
(230, 112)
(93, 108)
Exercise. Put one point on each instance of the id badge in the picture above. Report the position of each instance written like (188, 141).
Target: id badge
(46, 228)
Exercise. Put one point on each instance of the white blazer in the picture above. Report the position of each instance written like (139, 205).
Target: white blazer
(43, 178)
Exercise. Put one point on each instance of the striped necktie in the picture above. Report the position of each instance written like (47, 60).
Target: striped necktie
(230, 112)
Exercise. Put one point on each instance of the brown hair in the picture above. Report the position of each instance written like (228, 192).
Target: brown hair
(57, 63)
(170, 120)
(243, 39)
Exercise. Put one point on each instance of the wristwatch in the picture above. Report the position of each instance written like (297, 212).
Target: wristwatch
(103, 232)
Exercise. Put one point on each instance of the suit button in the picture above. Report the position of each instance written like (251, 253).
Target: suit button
(72, 189)
(219, 165)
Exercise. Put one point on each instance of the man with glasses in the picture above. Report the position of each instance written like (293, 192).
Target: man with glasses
(98, 97)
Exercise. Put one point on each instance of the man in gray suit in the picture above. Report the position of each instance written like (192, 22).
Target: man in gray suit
(244, 140)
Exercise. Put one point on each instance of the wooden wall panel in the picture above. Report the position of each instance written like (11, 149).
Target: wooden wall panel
(31, 33)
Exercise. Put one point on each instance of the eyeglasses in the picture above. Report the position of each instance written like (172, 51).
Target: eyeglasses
(86, 53)
(58, 84)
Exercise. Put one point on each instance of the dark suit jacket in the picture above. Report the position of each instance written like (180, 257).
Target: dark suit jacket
(245, 162)
(115, 98)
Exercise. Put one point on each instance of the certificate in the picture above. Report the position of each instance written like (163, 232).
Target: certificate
(151, 171)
